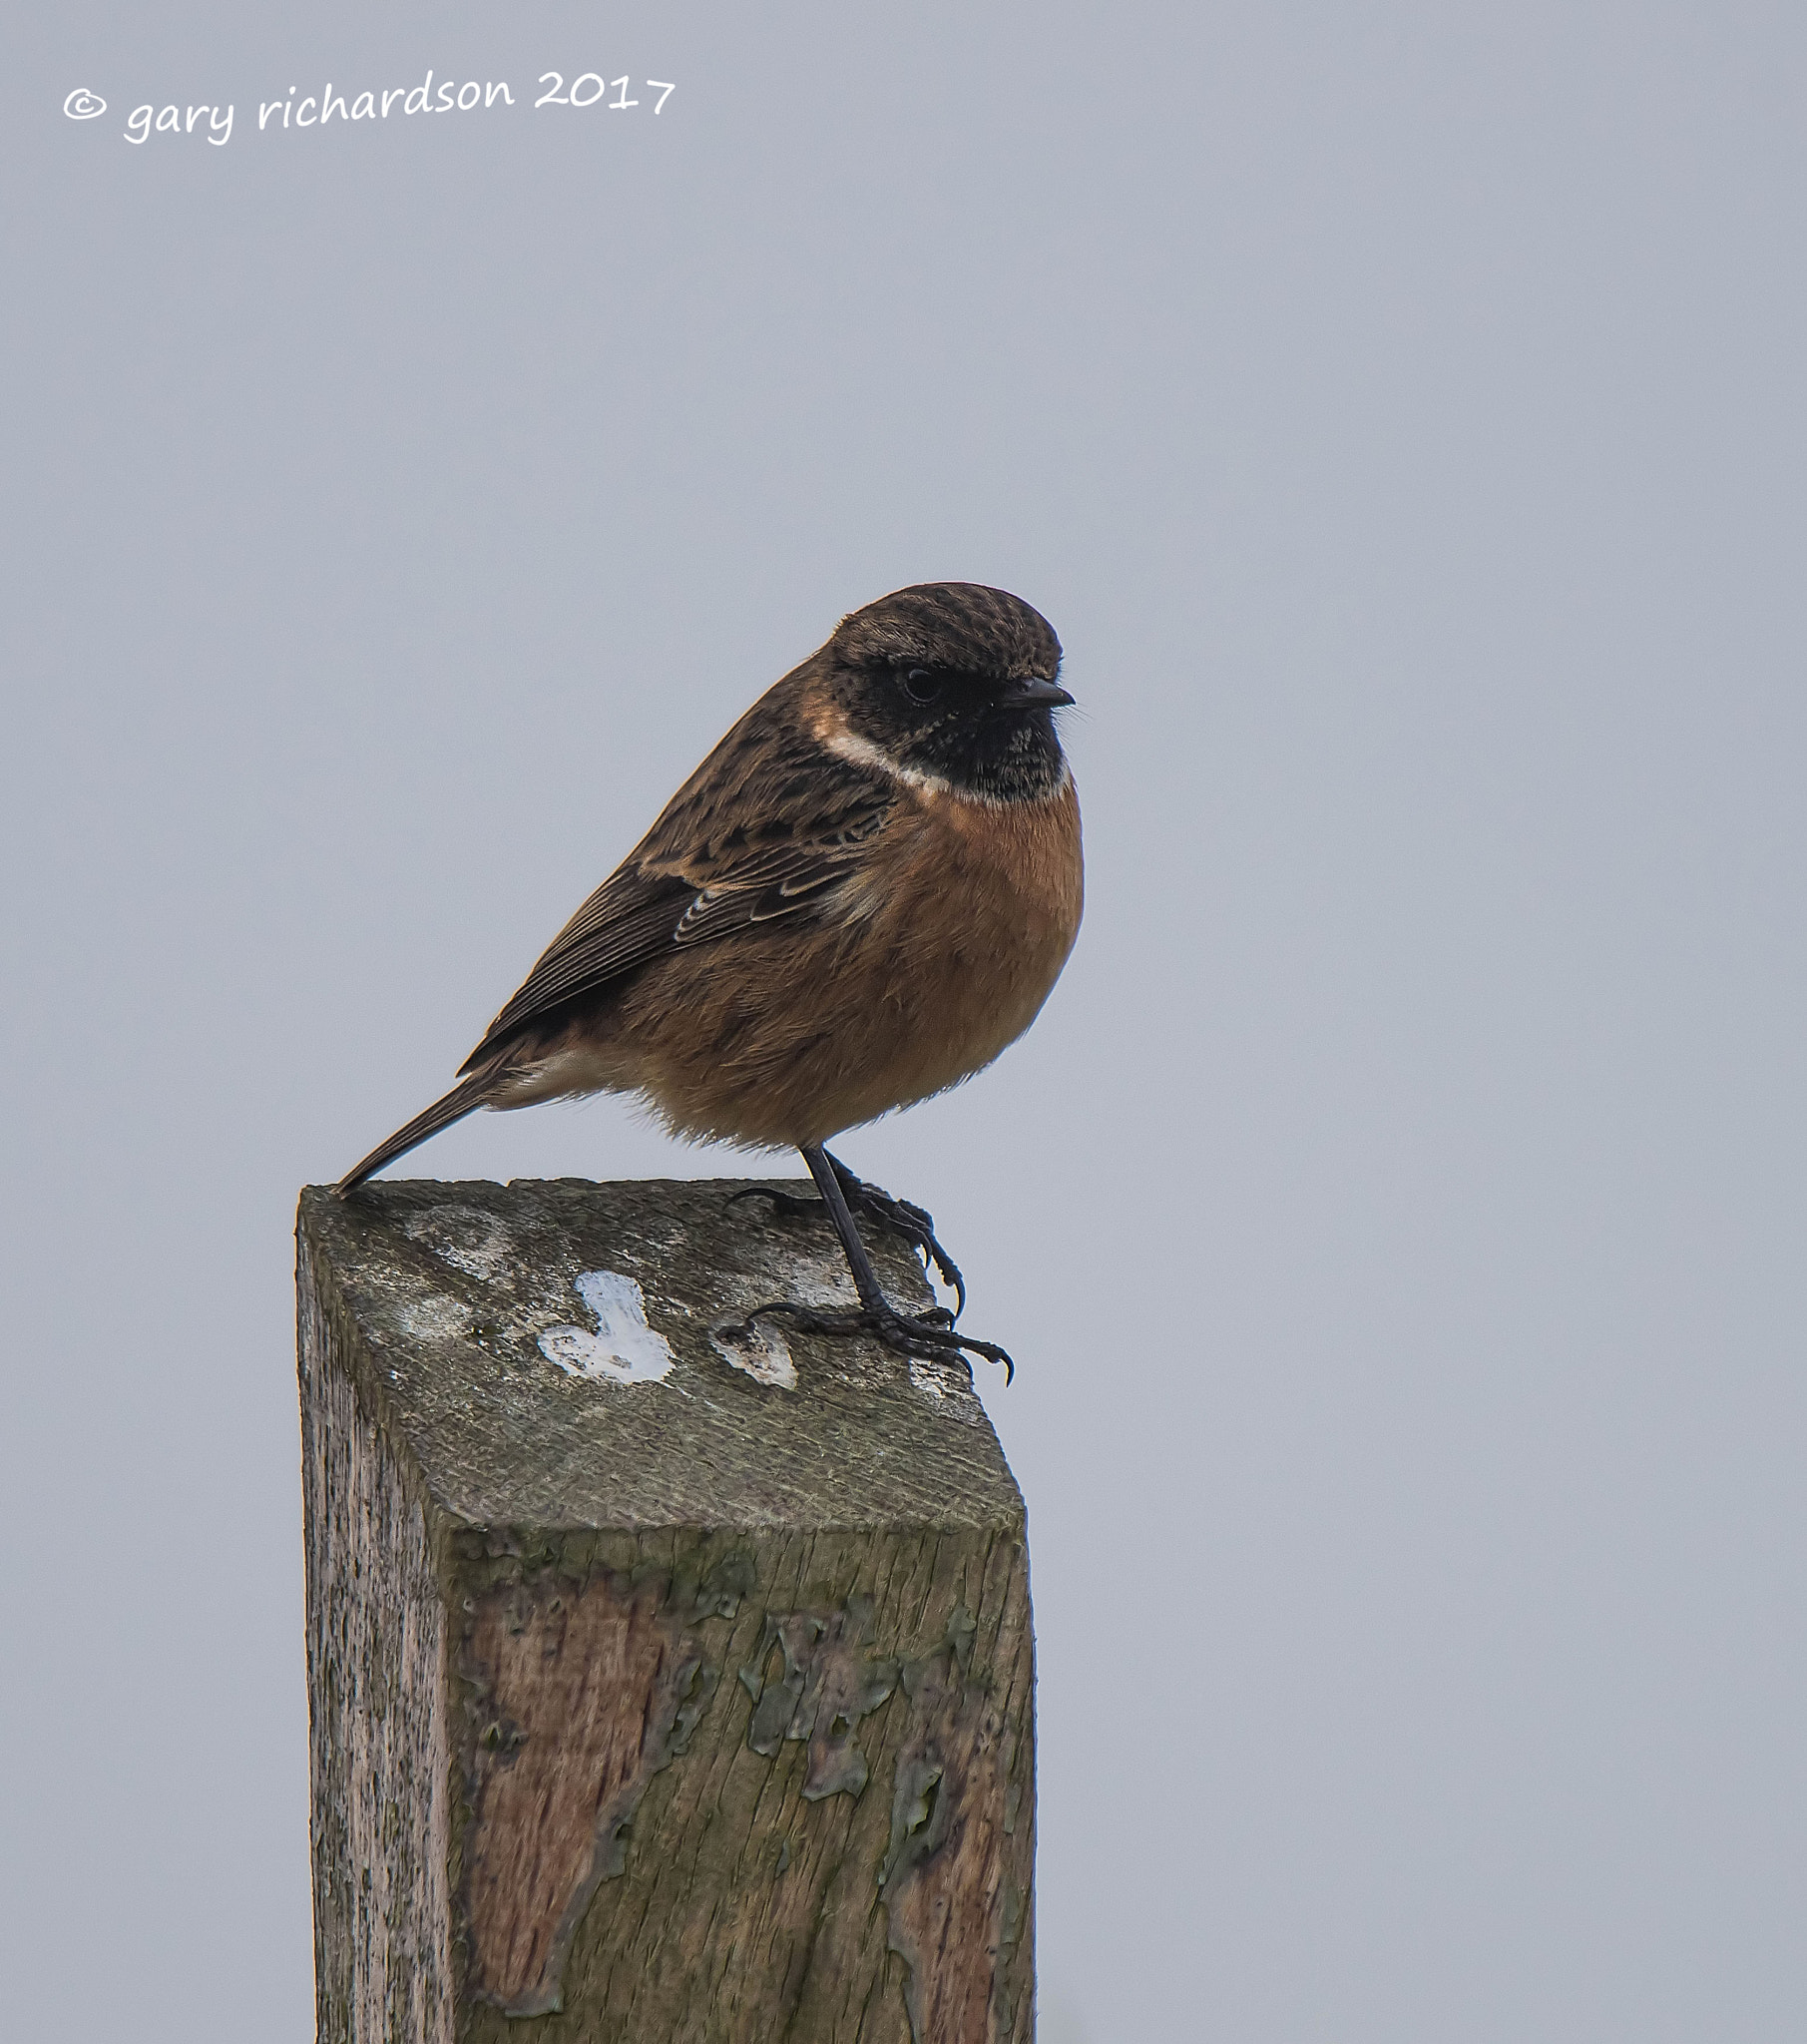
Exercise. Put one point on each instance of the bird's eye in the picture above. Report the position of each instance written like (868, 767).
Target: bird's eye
(921, 686)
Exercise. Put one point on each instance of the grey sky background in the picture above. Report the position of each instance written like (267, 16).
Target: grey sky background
(1396, 1210)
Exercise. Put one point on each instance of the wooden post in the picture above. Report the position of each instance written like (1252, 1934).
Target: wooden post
(665, 1688)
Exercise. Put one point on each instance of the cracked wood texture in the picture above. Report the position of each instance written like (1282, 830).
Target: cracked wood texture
(665, 1687)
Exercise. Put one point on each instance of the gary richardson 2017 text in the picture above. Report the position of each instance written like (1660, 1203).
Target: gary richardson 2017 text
(589, 89)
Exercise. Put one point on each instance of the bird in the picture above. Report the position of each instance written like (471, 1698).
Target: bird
(864, 895)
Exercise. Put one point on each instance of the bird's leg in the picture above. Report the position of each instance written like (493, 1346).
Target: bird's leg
(873, 1203)
(905, 1218)
(929, 1337)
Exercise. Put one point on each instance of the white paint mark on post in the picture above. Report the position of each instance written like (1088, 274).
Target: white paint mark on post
(434, 1318)
(948, 1387)
(466, 1237)
(760, 1351)
(623, 1350)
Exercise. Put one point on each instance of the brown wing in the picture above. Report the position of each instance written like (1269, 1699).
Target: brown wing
(768, 827)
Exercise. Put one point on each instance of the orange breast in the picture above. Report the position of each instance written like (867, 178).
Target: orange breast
(977, 908)
(952, 935)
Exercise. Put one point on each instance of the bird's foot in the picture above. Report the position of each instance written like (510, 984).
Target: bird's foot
(917, 1227)
(930, 1336)
(873, 1203)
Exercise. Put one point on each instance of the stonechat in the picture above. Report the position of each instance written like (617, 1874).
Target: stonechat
(865, 892)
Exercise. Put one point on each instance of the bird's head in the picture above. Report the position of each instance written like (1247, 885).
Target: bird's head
(950, 684)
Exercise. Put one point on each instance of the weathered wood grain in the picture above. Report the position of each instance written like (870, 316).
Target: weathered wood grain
(696, 1706)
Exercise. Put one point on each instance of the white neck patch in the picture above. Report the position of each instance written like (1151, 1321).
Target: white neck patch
(862, 751)
(858, 751)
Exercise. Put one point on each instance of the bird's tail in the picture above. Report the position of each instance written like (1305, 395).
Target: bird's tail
(466, 1094)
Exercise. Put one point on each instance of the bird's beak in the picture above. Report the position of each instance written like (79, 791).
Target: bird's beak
(1035, 694)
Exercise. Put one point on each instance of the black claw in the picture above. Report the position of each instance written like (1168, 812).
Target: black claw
(873, 1203)
(785, 1203)
(917, 1227)
(930, 1336)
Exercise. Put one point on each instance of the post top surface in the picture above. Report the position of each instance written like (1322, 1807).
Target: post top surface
(551, 1352)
